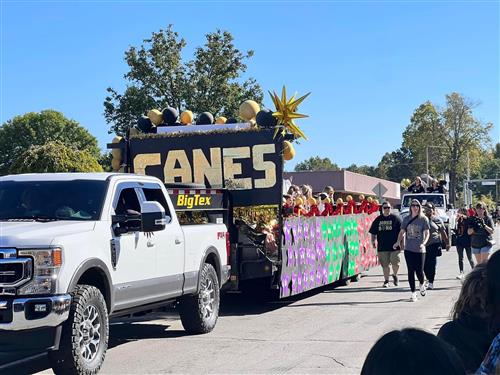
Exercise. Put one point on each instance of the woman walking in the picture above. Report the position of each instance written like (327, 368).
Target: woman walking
(433, 247)
(463, 242)
(481, 229)
(412, 238)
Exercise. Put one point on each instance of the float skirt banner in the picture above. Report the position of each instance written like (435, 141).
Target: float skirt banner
(249, 163)
(320, 250)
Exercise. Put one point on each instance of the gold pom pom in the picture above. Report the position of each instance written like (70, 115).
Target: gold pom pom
(220, 120)
(288, 150)
(249, 109)
(155, 116)
(299, 201)
(187, 117)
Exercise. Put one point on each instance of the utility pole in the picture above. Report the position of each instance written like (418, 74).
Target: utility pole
(427, 163)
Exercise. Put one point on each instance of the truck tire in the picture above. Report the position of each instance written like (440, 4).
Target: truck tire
(84, 338)
(199, 312)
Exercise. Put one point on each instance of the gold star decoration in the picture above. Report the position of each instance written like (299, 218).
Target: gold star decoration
(286, 113)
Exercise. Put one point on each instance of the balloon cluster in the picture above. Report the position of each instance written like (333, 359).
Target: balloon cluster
(405, 182)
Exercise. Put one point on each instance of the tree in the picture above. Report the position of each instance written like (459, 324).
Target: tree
(366, 170)
(315, 163)
(18, 134)
(455, 130)
(158, 77)
(54, 157)
(397, 165)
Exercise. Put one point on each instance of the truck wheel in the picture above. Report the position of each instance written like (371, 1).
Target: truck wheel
(84, 338)
(199, 312)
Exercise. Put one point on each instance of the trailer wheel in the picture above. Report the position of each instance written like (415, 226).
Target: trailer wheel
(199, 312)
(84, 338)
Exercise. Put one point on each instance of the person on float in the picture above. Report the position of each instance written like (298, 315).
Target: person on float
(299, 209)
(313, 207)
(417, 187)
(288, 206)
(328, 210)
(339, 209)
(350, 207)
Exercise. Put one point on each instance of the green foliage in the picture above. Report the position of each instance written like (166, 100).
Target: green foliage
(316, 164)
(105, 161)
(364, 169)
(54, 157)
(158, 77)
(18, 134)
(397, 165)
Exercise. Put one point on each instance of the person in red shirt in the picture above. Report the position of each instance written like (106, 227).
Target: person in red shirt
(471, 212)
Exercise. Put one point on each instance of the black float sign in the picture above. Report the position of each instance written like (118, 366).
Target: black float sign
(249, 163)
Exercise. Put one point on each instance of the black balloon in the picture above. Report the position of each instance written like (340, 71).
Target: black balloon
(144, 124)
(170, 116)
(231, 120)
(266, 119)
(206, 118)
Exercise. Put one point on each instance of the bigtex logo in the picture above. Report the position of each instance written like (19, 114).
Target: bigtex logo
(184, 200)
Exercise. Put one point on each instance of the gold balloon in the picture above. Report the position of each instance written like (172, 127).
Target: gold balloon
(116, 164)
(134, 131)
(249, 109)
(155, 116)
(288, 150)
(116, 152)
(187, 117)
(220, 120)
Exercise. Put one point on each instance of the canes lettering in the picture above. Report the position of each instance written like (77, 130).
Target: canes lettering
(224, 163)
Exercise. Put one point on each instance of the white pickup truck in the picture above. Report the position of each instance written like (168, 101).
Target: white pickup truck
(79, 248)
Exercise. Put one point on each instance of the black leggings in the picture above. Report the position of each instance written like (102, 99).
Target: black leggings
(431, 261)
(460, 251)
(415, 265)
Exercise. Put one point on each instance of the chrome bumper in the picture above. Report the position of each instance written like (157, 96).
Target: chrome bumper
(24, 318)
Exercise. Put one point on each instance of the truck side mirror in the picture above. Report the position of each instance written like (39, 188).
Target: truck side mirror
(124, 223)
(153, 217)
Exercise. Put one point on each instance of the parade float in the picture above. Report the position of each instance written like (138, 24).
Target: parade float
(237, 164)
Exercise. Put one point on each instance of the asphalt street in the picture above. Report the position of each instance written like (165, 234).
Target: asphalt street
(327, 331)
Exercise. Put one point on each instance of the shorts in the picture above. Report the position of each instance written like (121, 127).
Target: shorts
(481, 250)
(389, 257)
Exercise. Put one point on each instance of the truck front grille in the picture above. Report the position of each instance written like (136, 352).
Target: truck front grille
(14, 271)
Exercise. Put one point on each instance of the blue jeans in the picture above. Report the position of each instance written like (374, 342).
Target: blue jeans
(481, 250)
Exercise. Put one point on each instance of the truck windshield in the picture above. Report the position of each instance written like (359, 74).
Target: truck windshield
(436, 199)
(52, 200)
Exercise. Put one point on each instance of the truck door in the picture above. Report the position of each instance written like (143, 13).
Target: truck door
(135, 263)
(169, 245)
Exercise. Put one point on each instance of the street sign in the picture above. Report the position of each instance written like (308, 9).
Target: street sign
(380, 190)
(488, 183)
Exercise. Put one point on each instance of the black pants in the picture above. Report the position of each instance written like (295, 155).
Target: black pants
(415, 265)
(460, 251)
(431, 261)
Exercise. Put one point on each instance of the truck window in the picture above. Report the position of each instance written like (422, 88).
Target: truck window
(128, 202)
(156, 195)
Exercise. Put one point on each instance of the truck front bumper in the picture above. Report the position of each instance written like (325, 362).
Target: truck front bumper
(36, 312)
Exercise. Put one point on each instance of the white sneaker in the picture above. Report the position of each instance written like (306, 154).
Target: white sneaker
(430, 286)
(423, 291)
(414, 297)
(460, 276)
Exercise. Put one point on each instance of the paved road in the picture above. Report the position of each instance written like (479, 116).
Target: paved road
(328, 331)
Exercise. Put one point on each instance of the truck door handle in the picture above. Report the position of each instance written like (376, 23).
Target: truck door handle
(178, 241)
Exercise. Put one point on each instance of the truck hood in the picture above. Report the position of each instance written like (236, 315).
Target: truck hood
(29, 234)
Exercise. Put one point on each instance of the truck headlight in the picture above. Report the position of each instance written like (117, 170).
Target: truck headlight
(46, 266)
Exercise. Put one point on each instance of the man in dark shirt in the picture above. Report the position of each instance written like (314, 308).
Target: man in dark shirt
(384, 230)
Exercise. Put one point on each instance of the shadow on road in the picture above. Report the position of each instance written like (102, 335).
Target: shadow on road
(350, 303)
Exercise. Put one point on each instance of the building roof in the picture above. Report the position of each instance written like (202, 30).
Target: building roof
(346, 182)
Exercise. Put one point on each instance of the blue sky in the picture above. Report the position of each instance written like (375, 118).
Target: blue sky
(368, 64)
